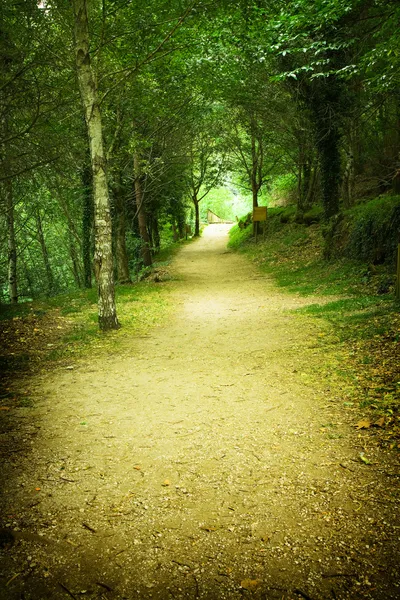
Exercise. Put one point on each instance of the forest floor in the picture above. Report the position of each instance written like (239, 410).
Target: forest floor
(217, 456)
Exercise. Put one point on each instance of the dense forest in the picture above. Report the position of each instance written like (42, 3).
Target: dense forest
(119, 120)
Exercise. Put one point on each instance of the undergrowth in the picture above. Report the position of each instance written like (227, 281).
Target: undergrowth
(65, 327)
(359, 304)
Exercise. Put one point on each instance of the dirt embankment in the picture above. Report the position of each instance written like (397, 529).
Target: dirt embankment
(216, 458)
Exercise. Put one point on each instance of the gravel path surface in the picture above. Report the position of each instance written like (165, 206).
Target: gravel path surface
(213, 459)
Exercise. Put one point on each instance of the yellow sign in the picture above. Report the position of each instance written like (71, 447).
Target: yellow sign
(260, 213)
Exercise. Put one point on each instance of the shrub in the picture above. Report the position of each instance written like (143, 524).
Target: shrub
(238, 236)
(368, 232)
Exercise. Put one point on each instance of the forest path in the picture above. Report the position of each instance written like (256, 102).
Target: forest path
(212, 459)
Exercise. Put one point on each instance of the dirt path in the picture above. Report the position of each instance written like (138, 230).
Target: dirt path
(213, 459)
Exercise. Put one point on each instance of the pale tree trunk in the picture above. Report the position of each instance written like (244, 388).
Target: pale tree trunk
(45, 254)
(12, 246)
(103, 258)
(141, 214)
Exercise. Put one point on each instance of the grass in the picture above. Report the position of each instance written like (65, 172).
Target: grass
(65, 327)
(365, 322)
(292, 254)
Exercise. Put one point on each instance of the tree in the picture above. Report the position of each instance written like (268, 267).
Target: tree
(206, 155)
(103, 260)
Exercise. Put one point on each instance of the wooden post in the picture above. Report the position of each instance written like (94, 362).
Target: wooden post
(398, 274)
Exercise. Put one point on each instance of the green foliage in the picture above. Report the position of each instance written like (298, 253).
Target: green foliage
(282, 190)
(368, 232)
(219, 201)
(232, 95)
(226, 202)
(278, 215)
(314, 215)
(292, 253)
(238, 237)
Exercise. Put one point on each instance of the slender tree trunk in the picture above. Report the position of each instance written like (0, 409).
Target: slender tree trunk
(123, 274)
(309, 201)
(329, 151)
(254, 171)
(87, 225)
(122, 260)
(348, 181)
(156, 233)
(300, 180)
(196, 216)
(141, 214)
(103, 259)
(181, 226)
(175, 234)
(76, 267)
(326, 109)
(306, 178)
(45, 254)
(27, 277)
(150, 230)
(12, 246)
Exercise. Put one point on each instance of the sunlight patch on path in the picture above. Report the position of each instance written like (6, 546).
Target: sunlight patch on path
(211, 455)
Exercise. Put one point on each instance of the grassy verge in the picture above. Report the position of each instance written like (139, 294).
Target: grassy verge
(46, 332)
(359, 304)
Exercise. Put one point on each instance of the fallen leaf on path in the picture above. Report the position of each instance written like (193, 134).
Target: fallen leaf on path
(250, 584)
(137, 467)
(380, 422)
(206, 528)
(363, 424)
(364, 459)
(166, 483)
(4, 408)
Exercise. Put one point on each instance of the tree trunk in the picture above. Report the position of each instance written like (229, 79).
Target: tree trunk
(327, 116)
(12, 246)
(175, 234)
(76, 267)
(27, 277)
(196, 216)
(156, 233)
(348, 182)
(141, 214)
(309, 201)
(329, 151)
(45, 254)
(103, 259)
(123, 275)
(181, 226)
(87, 225)
(254, 168)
